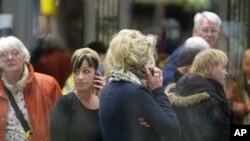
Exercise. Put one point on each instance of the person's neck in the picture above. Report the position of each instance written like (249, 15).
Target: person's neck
(88, 99)
(84, 95)
(14, 77)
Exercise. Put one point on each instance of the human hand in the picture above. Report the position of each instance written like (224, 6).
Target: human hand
(99, 82)
(143, 122)
(155, 79)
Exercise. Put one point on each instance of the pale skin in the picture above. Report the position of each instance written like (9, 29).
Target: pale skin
(208, 31)
(87, 83)
(12, 62)
(154, 81)
(219, 73)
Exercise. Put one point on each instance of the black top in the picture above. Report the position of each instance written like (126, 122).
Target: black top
(71, 121)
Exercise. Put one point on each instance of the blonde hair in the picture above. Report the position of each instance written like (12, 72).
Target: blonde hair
(246, 53)
(241, 79)
(6, 43)
(209, 57)
(130, 50)
(87, 54)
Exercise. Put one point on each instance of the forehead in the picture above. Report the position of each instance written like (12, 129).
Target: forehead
(85, 64)
(246, 59)
(9, 47)
(204, 22)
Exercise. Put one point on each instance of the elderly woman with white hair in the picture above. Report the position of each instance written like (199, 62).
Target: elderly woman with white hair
(133, 106)
(26, 97)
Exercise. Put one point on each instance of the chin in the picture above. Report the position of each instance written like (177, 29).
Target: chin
(12, 69)
(82, 88)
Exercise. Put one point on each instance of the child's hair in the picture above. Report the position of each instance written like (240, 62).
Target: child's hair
(208, 58)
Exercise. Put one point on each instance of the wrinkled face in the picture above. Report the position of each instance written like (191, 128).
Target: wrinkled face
(246, 65)
(12, 60)
(84, 77)
(208, 31)
(219, 73)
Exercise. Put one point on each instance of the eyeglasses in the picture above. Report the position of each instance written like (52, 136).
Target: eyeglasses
(13, 54)
(209, 30)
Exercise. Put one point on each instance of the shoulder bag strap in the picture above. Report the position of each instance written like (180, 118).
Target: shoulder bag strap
(19, 114)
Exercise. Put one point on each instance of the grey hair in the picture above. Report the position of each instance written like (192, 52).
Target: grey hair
(211, 16)
(196, 42)
(13, 42)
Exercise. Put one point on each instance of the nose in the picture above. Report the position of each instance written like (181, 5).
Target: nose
(226, 73)
(9, 56)
(80, 76)
(209, 33)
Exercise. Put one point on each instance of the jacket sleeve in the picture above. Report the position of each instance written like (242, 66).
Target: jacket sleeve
(51, 89)
(170, 67)
(157, 112)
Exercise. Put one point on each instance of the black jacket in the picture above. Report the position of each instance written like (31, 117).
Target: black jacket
(202, 109)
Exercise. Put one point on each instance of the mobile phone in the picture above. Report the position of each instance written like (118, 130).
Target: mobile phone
(97, 74)
(152, 71)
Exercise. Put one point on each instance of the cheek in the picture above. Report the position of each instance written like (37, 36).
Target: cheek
(90, 78)
(1, 64)
(246, 69)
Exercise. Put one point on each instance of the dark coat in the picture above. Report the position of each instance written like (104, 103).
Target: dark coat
(130, 112)
(170, 67)
(202, 109)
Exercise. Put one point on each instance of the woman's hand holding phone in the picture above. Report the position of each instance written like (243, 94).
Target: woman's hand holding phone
(99, 82)
(154, 77)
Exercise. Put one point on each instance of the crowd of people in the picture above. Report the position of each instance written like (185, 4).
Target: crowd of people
(118, 93)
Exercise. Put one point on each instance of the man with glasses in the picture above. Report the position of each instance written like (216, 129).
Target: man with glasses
(206, 25)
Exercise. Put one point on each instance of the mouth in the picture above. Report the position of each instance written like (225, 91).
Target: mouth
(11, 64)
(8, 65)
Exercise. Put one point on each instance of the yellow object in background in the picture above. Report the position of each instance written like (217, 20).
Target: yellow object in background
(48, 7)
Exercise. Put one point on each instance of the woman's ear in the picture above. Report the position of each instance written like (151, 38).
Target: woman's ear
(211, 71)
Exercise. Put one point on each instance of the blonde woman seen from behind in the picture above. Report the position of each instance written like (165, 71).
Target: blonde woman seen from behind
(133, 105)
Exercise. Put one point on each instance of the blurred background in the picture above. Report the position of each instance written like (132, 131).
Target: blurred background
(79, 22)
